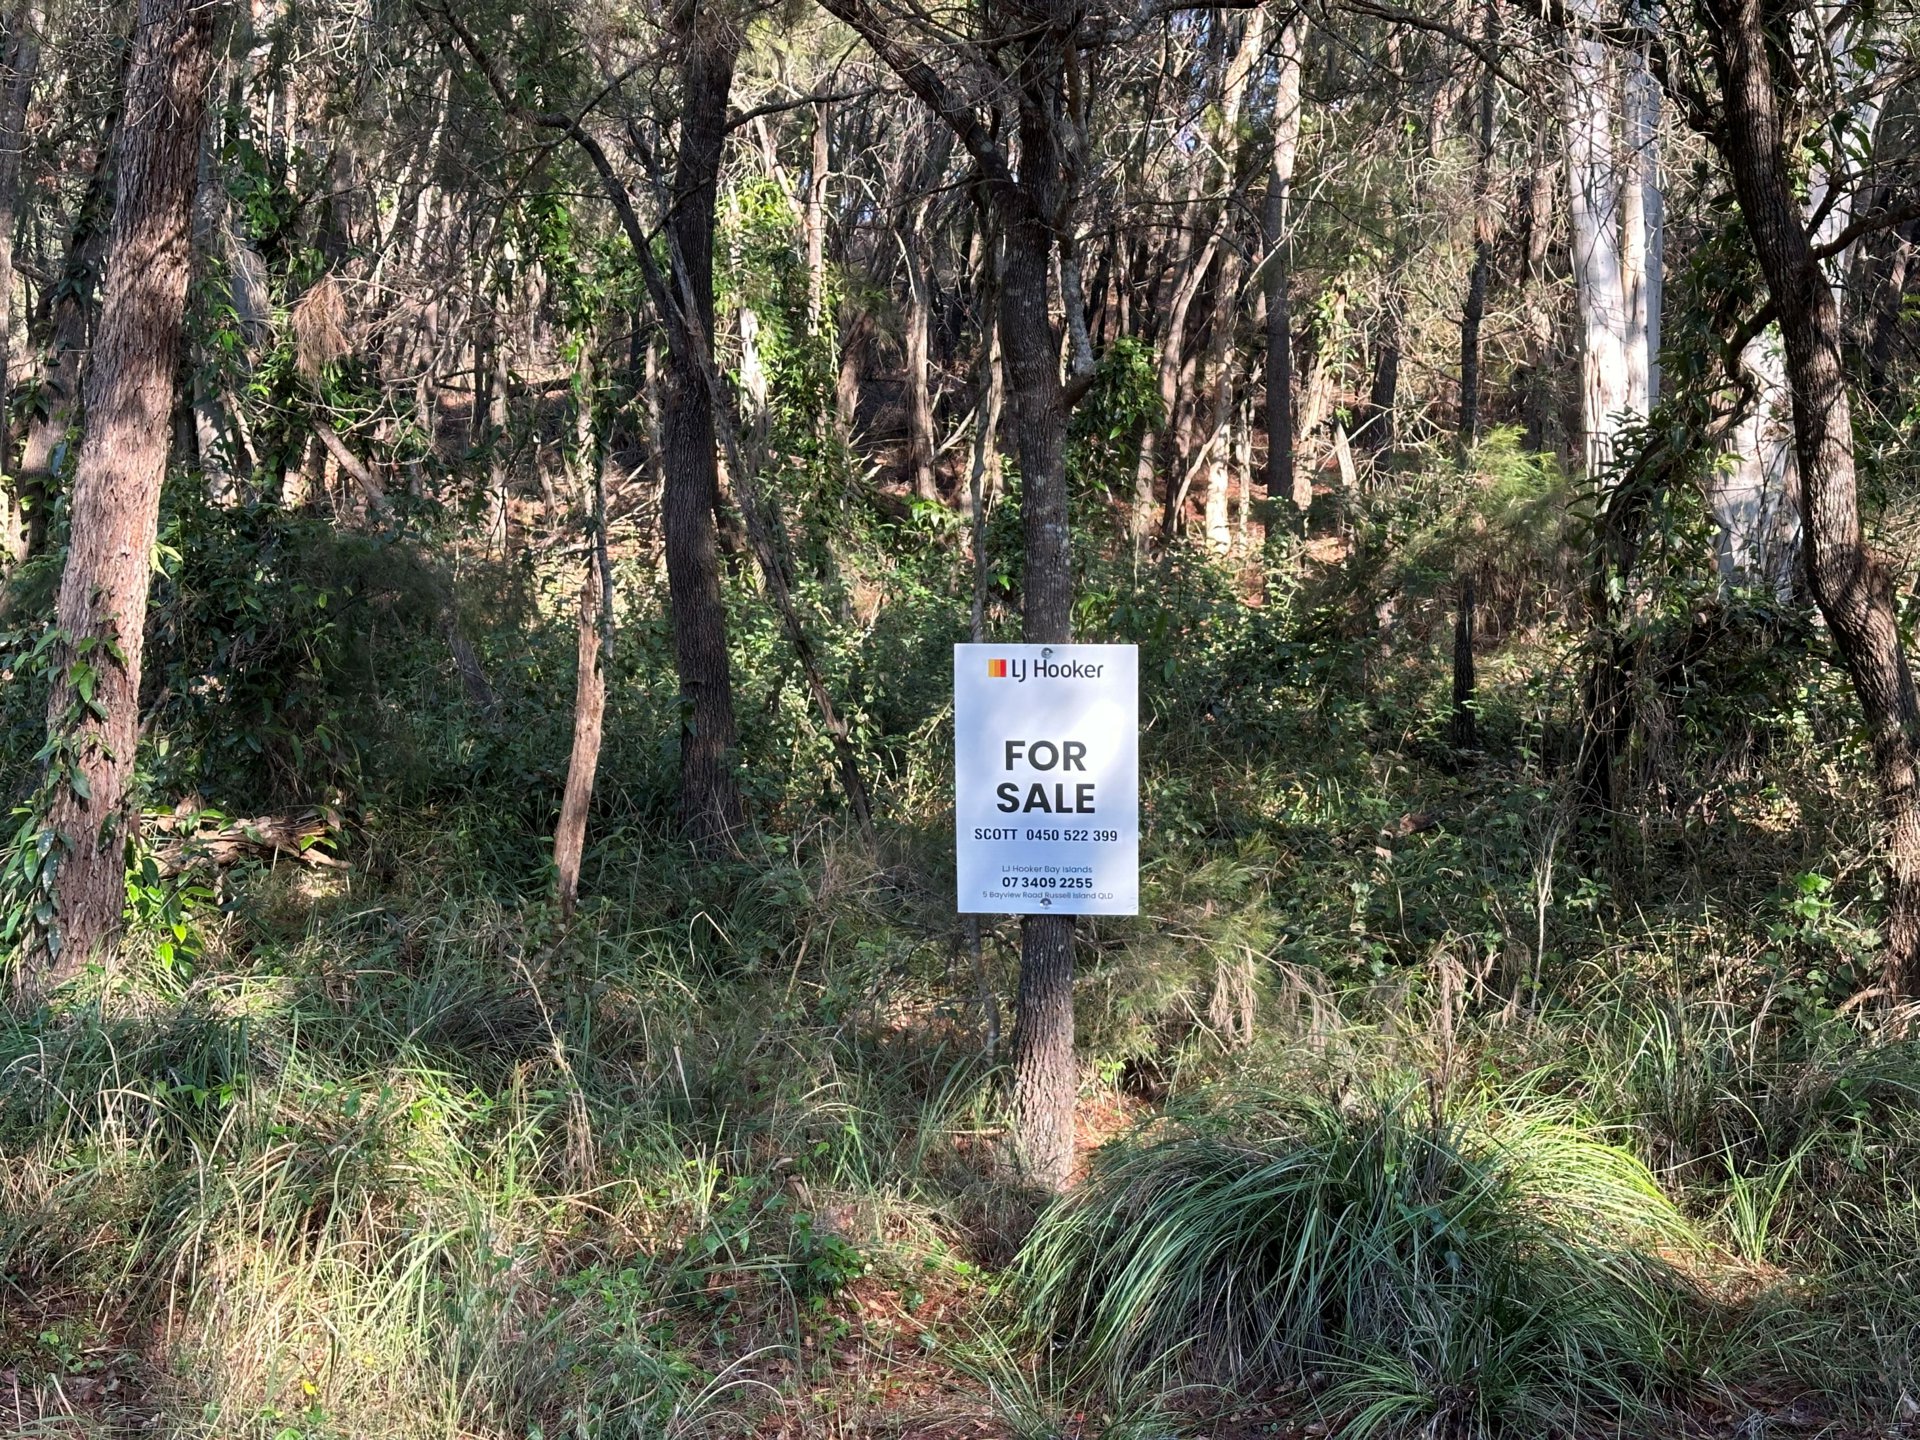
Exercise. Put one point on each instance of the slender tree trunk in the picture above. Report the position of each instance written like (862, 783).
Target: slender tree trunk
(1191, 271)
(1383, 395)
(709, 795)
(1278, 276)
(1038, 44)
(499, 471)
(595, 631)
(16, 90)
(1541, 409)
(1222, 357)
(1895, 270)
(1485, 227)
(1220, 370)
(589, 710)
(1852, 589)
(1465, 730)
(983, 488)
(920, 436)
(93, 714)
(814, 219)
(1756, 496)
(1073, 301)
(849, 379)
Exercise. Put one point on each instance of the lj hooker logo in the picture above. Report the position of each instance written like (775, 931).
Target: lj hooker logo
(1042, 669)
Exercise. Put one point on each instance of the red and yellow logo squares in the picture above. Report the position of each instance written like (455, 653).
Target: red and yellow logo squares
(996, 669)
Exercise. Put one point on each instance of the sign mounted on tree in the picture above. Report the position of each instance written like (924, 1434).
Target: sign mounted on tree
(1046, 779)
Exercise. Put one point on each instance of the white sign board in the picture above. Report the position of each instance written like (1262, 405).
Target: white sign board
(1046, 779)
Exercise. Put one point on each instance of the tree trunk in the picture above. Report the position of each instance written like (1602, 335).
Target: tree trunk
(1377, 430)
(850, 377)
(589, 710)
(1892, 275)
(499, 471)
(1190, 271)
(16, 89)
(1643, 221)
(1220, 368)
(920, 436)
(1850, 586)
(1045, 1073)
(1593, 191)
(1285, 153)
(1039, 48)
(1465, 730)
(814, 219)
(595, 632)
(93, 714)
(709, 795)
(1073, 301)
(1224, 331)
(1541, 409)
(1485, 227)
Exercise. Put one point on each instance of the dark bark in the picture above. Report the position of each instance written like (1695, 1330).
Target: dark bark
(1279, 344)
(709, 795)
(1484, 228)
(93, 714)
(1852, 589)
(1376, 430)
(1045, 1073)
(1537, 388)
(1465, 730)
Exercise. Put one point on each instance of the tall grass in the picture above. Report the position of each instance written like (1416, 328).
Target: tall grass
(1485, 1268)
(425, 1167)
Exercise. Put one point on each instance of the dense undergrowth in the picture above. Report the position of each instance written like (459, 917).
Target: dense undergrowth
(1437, 1111)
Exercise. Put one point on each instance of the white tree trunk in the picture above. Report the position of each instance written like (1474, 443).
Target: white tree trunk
(1594, 206)
(1643, 247)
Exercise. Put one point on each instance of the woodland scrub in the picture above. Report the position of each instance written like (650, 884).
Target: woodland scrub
(491, 493)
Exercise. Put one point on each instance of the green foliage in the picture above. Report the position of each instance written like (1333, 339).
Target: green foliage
(1485, 1269)
(1116, 413)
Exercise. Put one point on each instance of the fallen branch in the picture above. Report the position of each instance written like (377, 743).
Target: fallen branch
(199, 837)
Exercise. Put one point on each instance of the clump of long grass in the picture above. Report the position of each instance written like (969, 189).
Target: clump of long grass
(1485, 1268)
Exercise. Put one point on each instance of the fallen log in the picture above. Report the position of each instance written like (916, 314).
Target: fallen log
(203, 837)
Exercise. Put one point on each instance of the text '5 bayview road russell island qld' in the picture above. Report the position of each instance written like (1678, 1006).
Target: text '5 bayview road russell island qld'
(1046, 779)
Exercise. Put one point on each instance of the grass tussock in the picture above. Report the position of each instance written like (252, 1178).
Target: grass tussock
(1481, 1268)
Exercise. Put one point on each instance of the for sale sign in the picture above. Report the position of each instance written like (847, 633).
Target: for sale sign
(1046, 782)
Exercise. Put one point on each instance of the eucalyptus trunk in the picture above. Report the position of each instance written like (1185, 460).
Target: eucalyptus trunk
(1850, 585)
(93, 713)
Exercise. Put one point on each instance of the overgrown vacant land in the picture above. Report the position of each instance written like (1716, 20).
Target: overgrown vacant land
(490, 496)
